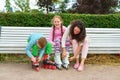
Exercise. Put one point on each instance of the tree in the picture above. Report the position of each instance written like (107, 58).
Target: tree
(45, 3)
(23, 5)
(62, 7)
(8, 6)
(119, 4)
(96, 6)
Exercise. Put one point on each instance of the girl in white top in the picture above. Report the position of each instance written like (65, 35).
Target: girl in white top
(77, 33)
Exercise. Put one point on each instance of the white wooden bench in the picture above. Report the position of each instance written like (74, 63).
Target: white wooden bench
(13, 40)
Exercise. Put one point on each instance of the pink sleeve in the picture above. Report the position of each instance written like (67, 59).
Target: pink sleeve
(64, 28)
(51, 36)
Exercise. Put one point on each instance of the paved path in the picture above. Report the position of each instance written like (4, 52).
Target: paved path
(14, 71)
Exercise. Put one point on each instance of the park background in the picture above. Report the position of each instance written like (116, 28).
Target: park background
(94, 13)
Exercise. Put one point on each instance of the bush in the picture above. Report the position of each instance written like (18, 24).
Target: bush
(39, 19)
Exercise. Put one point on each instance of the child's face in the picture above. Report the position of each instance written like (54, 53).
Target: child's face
(57, 22)
(76, 30)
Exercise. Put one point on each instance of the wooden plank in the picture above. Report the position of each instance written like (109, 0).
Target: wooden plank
(0, 31)
(44, 31)
(100, 30)
(90, 52)
(90, 49)
(47, 33)
(91, 41)
(91, 45)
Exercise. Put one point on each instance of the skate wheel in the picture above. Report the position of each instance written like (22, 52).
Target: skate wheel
(53, 67)
(50, 67)
(46, 67)
(37, 69)
(43, 66)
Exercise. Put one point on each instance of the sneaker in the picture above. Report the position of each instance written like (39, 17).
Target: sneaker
(80, 68)
(65, 67)
(76, 65)
(59, 67)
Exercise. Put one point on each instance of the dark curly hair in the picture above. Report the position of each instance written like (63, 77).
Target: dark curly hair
(81, 36)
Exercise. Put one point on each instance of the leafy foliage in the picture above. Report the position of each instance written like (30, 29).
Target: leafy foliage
(40, 19)
(23, 5)
(96, 6)
(8, 6)
(44, 3)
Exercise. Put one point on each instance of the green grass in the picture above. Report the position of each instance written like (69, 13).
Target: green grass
(102, 59)
(15, 58)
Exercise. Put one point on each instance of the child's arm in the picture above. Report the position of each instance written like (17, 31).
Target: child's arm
(77, 52)
(65, 35)
(64, 29)
(28, 49)
(41, 52)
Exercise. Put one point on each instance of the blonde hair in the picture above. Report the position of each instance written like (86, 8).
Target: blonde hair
(52, 21)
(56, 16)
(42, 42)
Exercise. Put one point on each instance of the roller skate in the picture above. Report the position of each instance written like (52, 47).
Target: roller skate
(35, 66)
(65, 66)
(48, 64)
(58, 67)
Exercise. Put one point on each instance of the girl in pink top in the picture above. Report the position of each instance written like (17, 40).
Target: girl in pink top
(55, 37)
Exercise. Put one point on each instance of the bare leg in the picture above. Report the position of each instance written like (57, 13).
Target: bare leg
(84, 55)
(75, 45)
(81, 66)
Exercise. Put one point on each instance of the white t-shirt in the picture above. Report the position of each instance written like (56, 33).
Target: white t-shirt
(66, 35)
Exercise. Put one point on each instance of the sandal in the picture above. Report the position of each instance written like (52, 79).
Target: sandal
(76, 65)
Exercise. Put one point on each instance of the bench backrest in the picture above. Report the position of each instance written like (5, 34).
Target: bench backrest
(0, 31)
(102, 40)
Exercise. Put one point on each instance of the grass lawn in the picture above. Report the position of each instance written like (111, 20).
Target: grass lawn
(102, 59)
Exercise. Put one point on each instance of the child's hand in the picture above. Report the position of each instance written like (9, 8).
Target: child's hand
(38, 59)
(64, 55)
(33, 59)
(71, 58)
